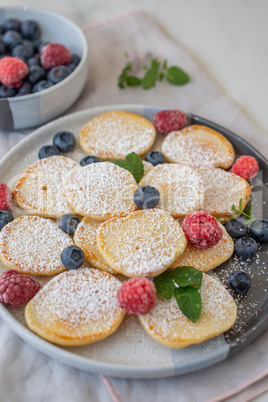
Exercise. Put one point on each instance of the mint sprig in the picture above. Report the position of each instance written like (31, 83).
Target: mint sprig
(133, 163)
(239, 211)
(183, 283)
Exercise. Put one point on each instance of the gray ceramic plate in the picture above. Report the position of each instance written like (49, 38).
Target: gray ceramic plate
(130, 352)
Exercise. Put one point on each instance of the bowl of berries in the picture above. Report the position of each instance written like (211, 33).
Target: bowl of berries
(43, 66)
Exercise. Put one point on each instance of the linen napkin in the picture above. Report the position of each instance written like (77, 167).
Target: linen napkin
(28, 375)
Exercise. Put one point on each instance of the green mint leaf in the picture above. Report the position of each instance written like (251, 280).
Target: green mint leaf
(187, 276)
(233, 208)
(164, 284)
(135, 166)
(132, 81)
(177, 76)
(165, 64)
(149, 79)
(123, 75)
(120, 162)
(248, 212)
(189, 301)
(155, 64)
(240, 204)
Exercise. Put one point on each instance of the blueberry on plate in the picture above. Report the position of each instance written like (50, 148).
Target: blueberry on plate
(155, 158)
(68, 223)
(72, 257)
(12, 39)
(48, 150)
(87, 160)
(239, 282)
(30, 30)
(246, 247)
(25, 89)
(12, 24)
(22, 51)
(34, 61)
(41, 85)
(6, 92)
(2, 30)
(146, 197)
(65, 141)
(72, 66)
(75, 59)
(57, 74)
(236, 228)
(36, 73)
(259, 230)
(5, 218)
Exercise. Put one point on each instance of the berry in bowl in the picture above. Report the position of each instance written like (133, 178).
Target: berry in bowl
(43, 66)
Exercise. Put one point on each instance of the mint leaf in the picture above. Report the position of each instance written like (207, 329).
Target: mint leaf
(149, 79)
(248, 211)
(133, 81)
(189, 301)
(135, 166)
(187, 276)
(121, 163)
(176, 76)
(233, 208)
(240, 204)
(123, 75)
(164, 284)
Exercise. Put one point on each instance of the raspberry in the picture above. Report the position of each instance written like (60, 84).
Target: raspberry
(6, 197)
(202, 230)
(54, 54)
(137, 296)
(246, 167)
(17, 289)
(169, 120)
(12, 71)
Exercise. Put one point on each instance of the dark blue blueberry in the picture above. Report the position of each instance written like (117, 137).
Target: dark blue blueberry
(72, 257)
(36, 73)
(236, 228)
(34, 61)
(6, 92)
(48, 150)
(65, 141)
(239, 282)
(12, 24)
(41, 45)
(24, 51)
(36, 43)
(71, 66)
(5, 218)
(246, 247)
(259, 230)
(146, 197)
(41, 86)
(3, 48)
(87, 160)
(57, 74)
(68, 223)
(2, 30)
(12, 39)
(25, 89)
(30, 30)
(75, 59)
(155, 158)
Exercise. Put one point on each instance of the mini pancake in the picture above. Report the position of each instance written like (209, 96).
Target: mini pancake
(166, 323)
(40, 190)
(145, 243)
(32, 245)
(116, 134)
(101, 191)
(197, 146)
(76, 308)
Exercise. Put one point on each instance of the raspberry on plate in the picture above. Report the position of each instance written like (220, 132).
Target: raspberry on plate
(12, 71)
(6, 197)
(167, 121)
(17, 289)
(246, 167)
(54, 54)
(137, 296)
(202, 230)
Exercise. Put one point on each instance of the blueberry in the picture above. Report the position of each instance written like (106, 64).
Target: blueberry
(155, 158)
(36, 73)
(12, 24)
(25, 89)
(30, 30)
(65, 141)
(41, 85)
(68, 223)
(57, 74)
(72, 257)
(34, 61)
(3, 48)
(6, 92)
(236, 228)
(41, 45)
(48, 150)
(246, 247)
(5, 218)
(87, 160)
(2, 30)
(75, 59)
(36, 44)
(72, 66)
(259, 230)
(146, 197)
(239, 282)
(12, 39)
(22, 51)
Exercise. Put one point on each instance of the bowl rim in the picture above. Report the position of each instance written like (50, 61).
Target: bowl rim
(76, 71)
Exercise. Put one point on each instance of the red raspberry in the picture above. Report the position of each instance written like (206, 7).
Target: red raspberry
(202, 230)
(137, 296)
(169, 120)
(246, 167)
(54, 54)
(17, 289)
(6, 197)
(12, 71)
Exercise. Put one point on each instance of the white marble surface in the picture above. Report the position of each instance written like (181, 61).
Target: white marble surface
(229, 38)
